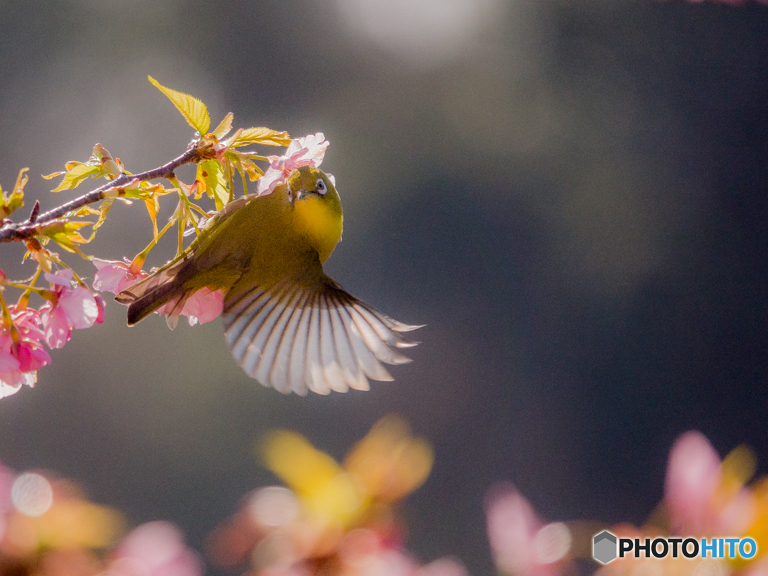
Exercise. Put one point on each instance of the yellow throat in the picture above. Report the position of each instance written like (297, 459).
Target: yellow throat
(319, 216)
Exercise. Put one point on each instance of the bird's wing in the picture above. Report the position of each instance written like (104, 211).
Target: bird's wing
(302, 334)
(161, 280)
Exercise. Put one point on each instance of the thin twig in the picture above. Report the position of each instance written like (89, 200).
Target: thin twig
(20, 231)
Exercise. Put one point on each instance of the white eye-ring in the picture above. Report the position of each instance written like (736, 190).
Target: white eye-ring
(320, 186)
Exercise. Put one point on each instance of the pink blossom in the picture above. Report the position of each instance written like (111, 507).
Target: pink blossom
(306, 151)
(115, 276)
(443, 567)
(102, 308)
(73, 308)
(20, 361)
(202, 306)
(519, 540)
(694, 477)
(27, 322)
(155, 549)
(11, 378)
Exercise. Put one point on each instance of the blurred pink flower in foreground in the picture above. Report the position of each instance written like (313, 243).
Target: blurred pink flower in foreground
(364, 553)
(202, 306)
(155, 549)
(335, 519)
(306, 151)
(705, 497)
(48, 528)
(72, 308)
(697, 492)
(520, 542)
(693, 475)
(115, 276)
(20, 360)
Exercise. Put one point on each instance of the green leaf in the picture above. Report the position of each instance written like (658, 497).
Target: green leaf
(153, 206)
(261, 135)
(224, 126)
(103, 211)
(75, 174)
(9, 204)
(193, 110)
(210, 176)
(65, 234)
(243, 164)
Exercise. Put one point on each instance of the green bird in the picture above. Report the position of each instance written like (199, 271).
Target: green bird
(288, 324)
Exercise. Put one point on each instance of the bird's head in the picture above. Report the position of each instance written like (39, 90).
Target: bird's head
(317, 208)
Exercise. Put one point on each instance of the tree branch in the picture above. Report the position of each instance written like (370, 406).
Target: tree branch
(21, 231)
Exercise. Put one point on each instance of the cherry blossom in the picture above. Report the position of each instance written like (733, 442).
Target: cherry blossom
(697, 493)
(71, 308)
(306, 151)
(520, 542)
(115, 276)
(21, 359)
(101, 305)
(200, 307)
(155, 549)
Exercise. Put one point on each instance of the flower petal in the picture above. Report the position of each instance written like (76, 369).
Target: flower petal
(102, 305)
(269, 181)
(56, 327)
(31, 357)
(204, 306)
(8, 363)
(60, 277)
(315, 146)
(7, 389)
(693, 475)
(108, 278)
(80, 307)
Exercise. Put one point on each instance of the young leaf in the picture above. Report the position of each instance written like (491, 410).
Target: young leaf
(75, 174)
(110, 166)
(210, 176)
(193, 110)
(103, 211)
(224, 126)
(9, 204)
(243, 164)
(65, 234)
(261, 136)
(153, 206)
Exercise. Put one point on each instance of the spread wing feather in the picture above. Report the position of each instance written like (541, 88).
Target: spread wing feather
(298, 335)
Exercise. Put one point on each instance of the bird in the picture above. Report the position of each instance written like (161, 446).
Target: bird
(288, 324)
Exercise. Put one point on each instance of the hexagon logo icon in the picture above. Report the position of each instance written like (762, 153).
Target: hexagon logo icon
(604, 547)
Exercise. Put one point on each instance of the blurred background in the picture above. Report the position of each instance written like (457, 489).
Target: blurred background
(572, 196)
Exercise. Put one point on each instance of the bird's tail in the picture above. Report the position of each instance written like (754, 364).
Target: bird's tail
(149, 295)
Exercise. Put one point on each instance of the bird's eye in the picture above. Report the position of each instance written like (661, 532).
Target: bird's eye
(320, 186)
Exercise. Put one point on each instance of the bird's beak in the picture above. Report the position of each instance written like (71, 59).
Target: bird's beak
(301, 194)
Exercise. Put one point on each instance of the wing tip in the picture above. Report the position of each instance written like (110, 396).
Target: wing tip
(401, 327)
(347, 342)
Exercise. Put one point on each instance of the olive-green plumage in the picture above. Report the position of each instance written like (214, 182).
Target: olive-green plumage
(288, 324)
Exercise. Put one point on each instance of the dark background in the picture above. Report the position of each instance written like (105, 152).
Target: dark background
(571, 195)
